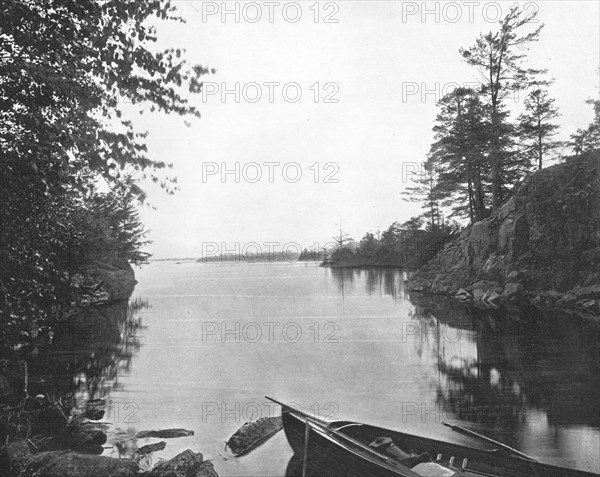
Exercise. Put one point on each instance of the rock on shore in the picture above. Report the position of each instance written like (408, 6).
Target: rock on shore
(117, 278)
(71, 464)
(186, 464)
(16, 460)
(544, 242)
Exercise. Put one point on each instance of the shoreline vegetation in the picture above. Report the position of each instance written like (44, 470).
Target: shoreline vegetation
(539, 248)
(542, 247)
(72, 165)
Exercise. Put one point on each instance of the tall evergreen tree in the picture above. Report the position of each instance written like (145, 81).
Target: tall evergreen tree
(423, 190)
(460, 154)
(536, 129)
(588, 139)
(499, 56)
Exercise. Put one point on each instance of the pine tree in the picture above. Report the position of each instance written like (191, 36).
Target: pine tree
(459, 154)
(499, 57)
(588, 139)
(536, 129)
(424, 191)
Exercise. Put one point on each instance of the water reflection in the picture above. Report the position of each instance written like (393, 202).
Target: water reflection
(513, 375)
(88, 354)
(344, 279)
(294, 467)
(523, 362)
(378, 281)
(521, 376)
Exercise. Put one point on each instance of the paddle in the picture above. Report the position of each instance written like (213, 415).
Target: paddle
(468, 432)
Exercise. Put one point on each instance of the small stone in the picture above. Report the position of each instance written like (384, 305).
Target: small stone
(95, 409)
(186, 464)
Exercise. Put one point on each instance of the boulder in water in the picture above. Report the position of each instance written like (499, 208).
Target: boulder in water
(186, 464)
(84, 435)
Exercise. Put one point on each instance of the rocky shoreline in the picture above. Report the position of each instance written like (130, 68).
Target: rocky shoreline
(107, 282)
(362, 264)
(76, 448)
(542, 246)
(17, 460)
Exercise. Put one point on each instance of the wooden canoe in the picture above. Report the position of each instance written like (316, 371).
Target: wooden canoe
(341, 449)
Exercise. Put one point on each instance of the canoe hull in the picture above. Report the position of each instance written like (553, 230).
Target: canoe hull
(294, 429)
(332, 454)
(328, 456)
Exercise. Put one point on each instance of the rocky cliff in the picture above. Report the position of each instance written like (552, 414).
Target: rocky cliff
(543, 243)
(107, 281)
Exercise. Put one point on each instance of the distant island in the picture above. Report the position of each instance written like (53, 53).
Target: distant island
(291, 255)
(188, 259)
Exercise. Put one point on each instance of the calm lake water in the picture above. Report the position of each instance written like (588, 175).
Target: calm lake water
(205, 343)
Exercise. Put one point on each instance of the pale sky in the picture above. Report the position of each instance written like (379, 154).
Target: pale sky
(376, 62)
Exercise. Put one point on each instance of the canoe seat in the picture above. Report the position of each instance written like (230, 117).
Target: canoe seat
(431, 469)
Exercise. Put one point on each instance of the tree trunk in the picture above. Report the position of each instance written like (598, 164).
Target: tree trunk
(471, 198)
(540, 147)
(480, 211)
